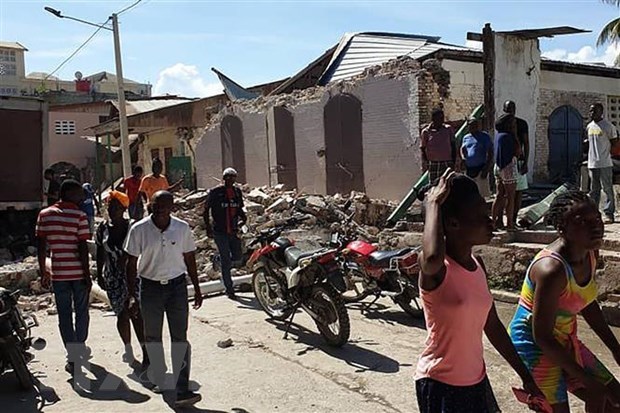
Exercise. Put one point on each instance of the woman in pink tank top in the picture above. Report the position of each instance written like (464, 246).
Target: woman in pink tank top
(458, 306)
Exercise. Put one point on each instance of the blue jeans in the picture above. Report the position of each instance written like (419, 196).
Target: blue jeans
(171, 299)
(603, 178)
(72, 296)
(229, 247)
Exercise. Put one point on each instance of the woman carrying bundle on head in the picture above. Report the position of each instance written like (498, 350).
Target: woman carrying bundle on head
(559, 284)
(458, 306)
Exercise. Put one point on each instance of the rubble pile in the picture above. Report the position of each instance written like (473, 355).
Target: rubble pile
(267, 207)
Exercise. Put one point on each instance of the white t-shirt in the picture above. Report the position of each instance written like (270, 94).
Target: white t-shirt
(600, 135)
(160, 253)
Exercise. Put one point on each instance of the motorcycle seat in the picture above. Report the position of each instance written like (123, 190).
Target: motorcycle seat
(294, 254)
(383, 258)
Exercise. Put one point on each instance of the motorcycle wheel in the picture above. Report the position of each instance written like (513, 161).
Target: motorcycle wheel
(408, 300)
(18, 362)
(357, 287)
(269, 290)
(329, 304)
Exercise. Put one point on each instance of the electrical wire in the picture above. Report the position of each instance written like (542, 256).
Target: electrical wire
(126, 9)
(76, 51)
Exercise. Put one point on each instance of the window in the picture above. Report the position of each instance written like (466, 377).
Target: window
(7, 55)
(613, 110)
(64, 127)
(8, 69)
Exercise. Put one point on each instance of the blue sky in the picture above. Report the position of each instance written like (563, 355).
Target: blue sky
(174, 43)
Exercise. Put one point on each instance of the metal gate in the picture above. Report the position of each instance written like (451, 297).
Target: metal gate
(344, 150)
(178, 167)
(565, 144)
(233, 145)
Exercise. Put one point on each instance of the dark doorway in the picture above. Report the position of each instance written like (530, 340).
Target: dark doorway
(565, 144)
(286, 160)
(233, 147)
(344, 151)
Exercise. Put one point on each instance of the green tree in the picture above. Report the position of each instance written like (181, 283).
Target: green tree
(610, 34)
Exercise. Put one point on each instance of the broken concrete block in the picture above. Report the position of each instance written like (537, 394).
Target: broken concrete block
(254, 208)
(225, 343)
(278, 206)
(315, 202)
(258, 196)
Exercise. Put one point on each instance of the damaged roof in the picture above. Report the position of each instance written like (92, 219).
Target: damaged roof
(358, 51)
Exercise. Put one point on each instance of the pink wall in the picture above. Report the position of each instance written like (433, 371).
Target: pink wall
(72, 148)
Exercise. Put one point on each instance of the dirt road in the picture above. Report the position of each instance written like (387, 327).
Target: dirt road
(261, 372)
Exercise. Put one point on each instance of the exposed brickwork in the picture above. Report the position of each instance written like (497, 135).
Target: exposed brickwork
(463, 99)
(548, 101)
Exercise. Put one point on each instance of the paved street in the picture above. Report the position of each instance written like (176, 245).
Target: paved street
(261, 372)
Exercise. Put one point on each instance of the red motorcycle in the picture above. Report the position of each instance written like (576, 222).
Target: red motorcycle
(369, 271)
(287, 278)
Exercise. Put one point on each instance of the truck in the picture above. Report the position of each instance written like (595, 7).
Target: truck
(23, 156)
(23, 159)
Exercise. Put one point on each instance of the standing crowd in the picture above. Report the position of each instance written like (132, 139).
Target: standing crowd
(144, 263)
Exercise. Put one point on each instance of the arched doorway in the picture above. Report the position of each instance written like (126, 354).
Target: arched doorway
(286, 159)
(233, 146)
(565, 144)
(344, 151)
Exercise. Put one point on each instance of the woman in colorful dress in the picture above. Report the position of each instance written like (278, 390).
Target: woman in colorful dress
(111, 273)
(559, 284)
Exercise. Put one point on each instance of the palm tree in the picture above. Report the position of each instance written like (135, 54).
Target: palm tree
(611, 32)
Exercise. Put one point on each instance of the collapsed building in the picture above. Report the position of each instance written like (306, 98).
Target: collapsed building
(351, 120)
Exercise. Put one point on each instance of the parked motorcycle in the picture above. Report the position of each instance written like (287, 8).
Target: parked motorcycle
(16, 339)
(369, 271)
(287, 278)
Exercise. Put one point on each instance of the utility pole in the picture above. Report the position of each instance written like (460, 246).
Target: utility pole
(122, 109)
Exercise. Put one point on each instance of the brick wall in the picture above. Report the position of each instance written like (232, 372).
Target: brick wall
(548, 101)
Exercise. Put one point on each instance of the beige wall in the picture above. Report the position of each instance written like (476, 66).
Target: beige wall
(208, 157)
(256, 150)
(71, 148)
(390, 136)
(309, 140)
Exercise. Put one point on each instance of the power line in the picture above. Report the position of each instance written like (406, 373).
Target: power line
(126, 9)
(64, 62)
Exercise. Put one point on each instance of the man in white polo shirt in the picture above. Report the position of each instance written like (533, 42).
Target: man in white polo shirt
(162, 253)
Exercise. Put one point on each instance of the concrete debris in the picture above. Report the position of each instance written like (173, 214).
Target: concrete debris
(225, 343)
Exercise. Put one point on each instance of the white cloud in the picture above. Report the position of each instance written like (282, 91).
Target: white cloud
(185, 80)
(473, 44)
(586, 54)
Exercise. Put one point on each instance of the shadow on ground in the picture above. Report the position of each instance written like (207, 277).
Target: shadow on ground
(388, 315)
(361, 358)
(13, 399)
(105, 386)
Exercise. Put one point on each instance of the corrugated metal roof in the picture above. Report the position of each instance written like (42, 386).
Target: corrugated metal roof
(139, 106)
(359, 51)
(12, 45)
(234, 90)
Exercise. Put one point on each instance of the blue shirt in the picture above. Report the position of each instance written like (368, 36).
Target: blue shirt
(476, 147)
(88, 205)
(504, 149)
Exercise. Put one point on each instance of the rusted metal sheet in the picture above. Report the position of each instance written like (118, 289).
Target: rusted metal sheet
(24, 140)
(344, 150)
(286, 160)
(233, 146)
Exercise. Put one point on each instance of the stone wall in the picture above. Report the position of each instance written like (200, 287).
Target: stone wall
(390, 131)
(548, 101)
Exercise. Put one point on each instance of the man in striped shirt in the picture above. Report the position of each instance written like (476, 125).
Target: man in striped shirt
(64, 228)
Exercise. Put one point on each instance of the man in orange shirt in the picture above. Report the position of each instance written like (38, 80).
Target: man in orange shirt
(131, 186)
(156, 182)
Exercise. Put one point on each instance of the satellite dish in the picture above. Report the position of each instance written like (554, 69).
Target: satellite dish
(78, 75)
